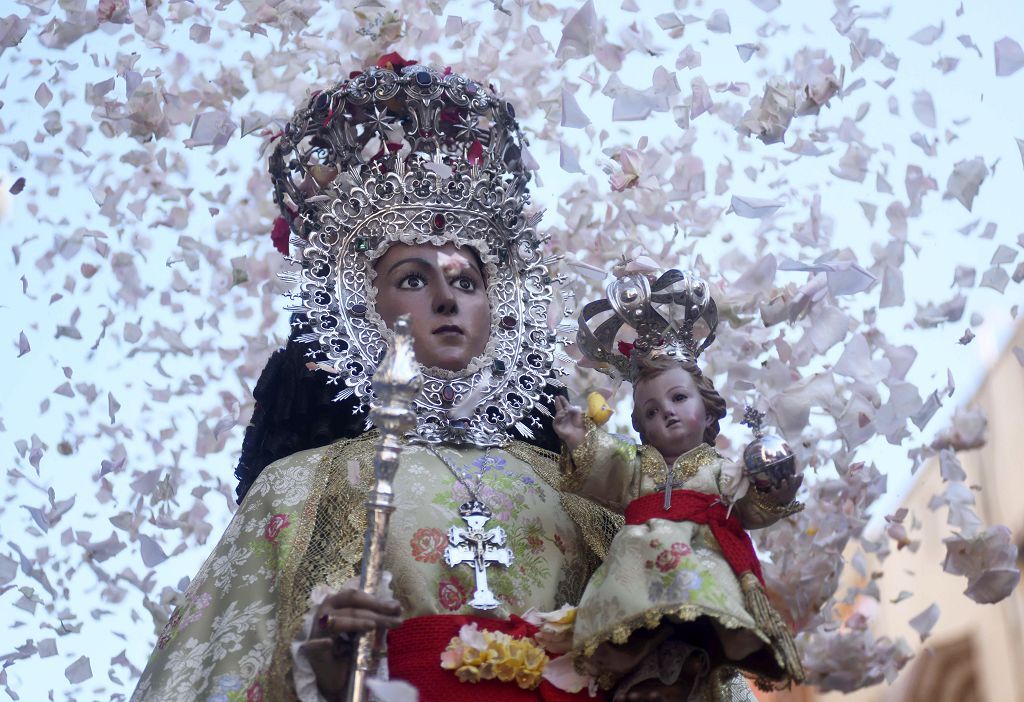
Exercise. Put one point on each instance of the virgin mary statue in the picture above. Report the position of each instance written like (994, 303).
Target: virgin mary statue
(402, 190)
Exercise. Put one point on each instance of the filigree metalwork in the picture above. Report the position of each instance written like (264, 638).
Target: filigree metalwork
(417, 157)
(668, 316)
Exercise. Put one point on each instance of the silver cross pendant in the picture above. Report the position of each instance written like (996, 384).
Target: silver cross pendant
(669, 484)
(479, 547)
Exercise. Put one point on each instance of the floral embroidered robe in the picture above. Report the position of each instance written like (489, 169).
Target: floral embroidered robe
(661, 568)
(302, 524)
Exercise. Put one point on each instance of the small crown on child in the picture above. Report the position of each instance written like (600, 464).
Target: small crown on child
(664, 314)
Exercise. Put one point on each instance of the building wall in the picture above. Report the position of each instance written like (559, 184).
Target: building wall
(975, 652)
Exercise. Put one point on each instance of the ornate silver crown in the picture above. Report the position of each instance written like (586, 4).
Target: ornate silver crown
(419, 157)
(668, 317)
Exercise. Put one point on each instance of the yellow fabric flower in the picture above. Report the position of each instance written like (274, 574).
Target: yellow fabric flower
(477, 655)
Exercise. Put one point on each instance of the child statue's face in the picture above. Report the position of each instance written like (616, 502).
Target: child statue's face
(670, 412)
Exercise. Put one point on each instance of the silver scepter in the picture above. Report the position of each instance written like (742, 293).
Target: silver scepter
(396, 384)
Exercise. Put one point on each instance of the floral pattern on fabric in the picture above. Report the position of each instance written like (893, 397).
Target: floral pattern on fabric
(659, 568)
(511, 493)
(274, 543)
(428, 545)
(190, 611)
(453, 593)
(230, 688)
(221, 642)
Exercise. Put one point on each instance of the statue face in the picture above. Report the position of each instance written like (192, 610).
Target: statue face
(670, 412)
(442, 289)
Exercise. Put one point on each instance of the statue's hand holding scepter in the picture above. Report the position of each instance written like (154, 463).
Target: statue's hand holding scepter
(396, 383)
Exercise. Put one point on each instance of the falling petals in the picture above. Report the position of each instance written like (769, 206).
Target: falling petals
(769, 117)
(928, 35)
(719, 22)
(572, 115)
(1009, 56)
(43, 95)
(988, 560)
(754, 207)
(211, 129)
(964, 181)
(79, 671)
(568, 159)
(924, 622)
(580, 33)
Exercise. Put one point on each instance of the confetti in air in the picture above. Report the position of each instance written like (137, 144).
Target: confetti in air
(771, 149)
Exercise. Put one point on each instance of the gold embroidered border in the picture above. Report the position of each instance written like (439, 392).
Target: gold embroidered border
(764, 503)
(652, 463)
(293, 603)
(620, 632)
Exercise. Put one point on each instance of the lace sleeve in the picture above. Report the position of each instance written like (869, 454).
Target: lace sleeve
(604, 468)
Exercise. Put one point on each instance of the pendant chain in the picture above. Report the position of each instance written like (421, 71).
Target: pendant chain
(460, 476)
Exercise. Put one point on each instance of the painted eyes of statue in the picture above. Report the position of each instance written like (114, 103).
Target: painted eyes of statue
(465, 284)
(415, 281)
(678, 397)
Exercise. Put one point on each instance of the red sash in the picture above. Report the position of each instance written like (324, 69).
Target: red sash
(414, 655)
(698, 507)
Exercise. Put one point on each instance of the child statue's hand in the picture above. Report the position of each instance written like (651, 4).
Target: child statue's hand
(568, 423)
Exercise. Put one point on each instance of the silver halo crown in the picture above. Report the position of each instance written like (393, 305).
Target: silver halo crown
(665, 315)
(417, 156)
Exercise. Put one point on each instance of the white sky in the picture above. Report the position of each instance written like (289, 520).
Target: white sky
(990, 105)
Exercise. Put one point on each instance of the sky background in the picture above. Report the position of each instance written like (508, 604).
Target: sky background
(977, 114)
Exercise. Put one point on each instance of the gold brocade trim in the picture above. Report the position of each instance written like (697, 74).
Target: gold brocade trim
(652, 463)
(770, 621)
(597, 525)
(309, 541)
(579, 462)
(763, 502)
(651, 618)
(572, 477)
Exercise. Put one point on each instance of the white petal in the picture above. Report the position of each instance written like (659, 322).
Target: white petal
(925, 621)
(1009, 56)
(572, 115)
(392, 690)
(79, 671)
(754, 207)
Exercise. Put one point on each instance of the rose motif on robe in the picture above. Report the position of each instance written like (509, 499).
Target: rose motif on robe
(277, 524)
(681, 549)
(428, 545)
(451, 594)
(667, 560)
